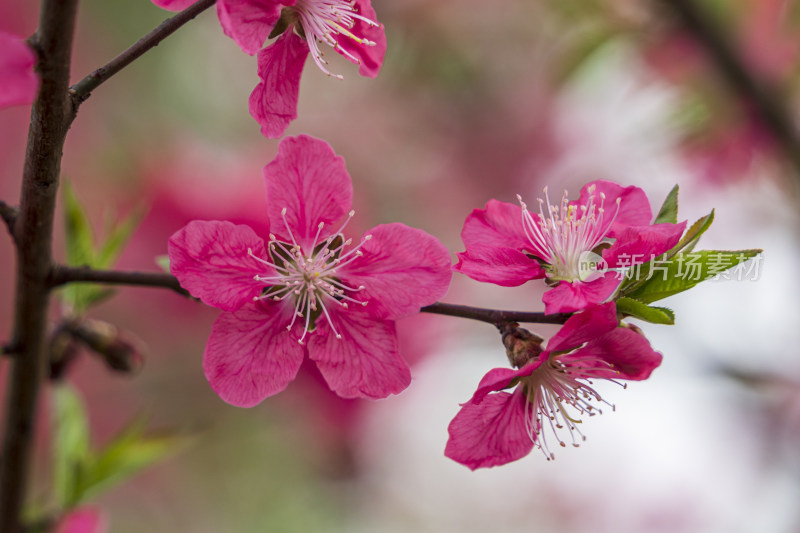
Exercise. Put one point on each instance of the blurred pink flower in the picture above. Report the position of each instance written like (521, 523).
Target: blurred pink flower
(495, 427)
(349, 27)
(507, 245)
(728, 143)
(18, 81)
(174, 5)
(83, 520)
(305, 285)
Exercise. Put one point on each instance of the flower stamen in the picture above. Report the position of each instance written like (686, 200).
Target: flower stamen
(310, 276)
(323, 20)
(566, 232)
(554, 387)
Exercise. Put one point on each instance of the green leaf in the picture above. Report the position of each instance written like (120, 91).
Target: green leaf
(130, 452)
(81, 251)
(683, 271)
(692, 235)
(79, 241)
(633, 281)
(118, 237)
(70, 444)
(163, 262)
(80, 473)
(669, 210)
(642, 311)
(79, 238)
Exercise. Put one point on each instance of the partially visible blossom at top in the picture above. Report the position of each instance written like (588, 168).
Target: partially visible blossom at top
(348, 26)
(551, 391)
(83, 520)
(508, 245)
(308, 290)
(18, 81)
(174, 5)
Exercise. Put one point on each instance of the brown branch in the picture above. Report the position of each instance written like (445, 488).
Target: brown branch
(496, 317)
(33, 230)
(83, 89)
(62, 275)
(9, 215)
(762, 99)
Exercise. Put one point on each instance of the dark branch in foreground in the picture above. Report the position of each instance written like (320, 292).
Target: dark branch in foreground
(33, 231)
(83, 89)
(62, 275)
(764, 101)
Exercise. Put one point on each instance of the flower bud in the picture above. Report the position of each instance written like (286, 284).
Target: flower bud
(120, 350)
(522, 346)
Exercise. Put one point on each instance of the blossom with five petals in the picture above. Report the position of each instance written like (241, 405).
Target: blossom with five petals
(308, 290)
(552, 391)
(348, 26)
(508, 245)
(18, 81)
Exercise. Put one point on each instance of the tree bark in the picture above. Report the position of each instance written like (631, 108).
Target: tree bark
(33, 231)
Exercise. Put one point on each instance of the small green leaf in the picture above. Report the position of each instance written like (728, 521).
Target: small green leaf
(70, 444)
(81, 251)
(118, 237)
(79, 241)
(637, 309)
(130, 452)
(79, 238)
(692, 235)
(687, 243)
(666, 277)
(163, 262)
(669, 210)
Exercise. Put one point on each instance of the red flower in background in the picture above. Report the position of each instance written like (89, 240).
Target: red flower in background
(18, 82)
(83, 520)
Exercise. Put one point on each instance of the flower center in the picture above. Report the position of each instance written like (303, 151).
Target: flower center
(568, 231)
(322, 21)
(309, 277)
(555, 387)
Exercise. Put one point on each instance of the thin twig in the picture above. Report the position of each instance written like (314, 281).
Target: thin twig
(33, 230)
(62, 275)
(496, 317)
(9, 215)
(83, 89)
(762, 99)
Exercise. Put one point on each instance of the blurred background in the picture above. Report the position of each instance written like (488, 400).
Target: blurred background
(476, 100)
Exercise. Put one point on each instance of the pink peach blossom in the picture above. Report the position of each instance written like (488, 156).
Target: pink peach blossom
(551, 391)
(174, 5)
(18, 81)
(308, 290)
(507, 245)
(83, 520)
(348, 26)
